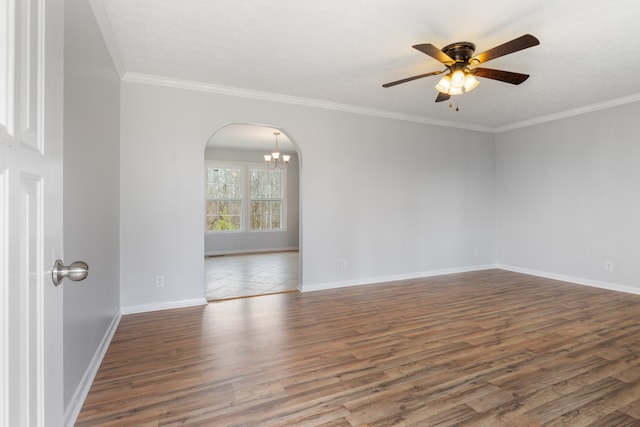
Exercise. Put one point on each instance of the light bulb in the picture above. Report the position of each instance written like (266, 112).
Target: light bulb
(267, 158)
(275, 155)
(455, 91)
(286, 158)
(457, 79)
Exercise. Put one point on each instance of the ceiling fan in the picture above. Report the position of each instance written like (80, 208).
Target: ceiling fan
(458, 59)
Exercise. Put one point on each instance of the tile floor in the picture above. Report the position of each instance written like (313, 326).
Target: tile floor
(236, 276)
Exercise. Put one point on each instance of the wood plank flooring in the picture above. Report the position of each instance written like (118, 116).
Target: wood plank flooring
(489, 348)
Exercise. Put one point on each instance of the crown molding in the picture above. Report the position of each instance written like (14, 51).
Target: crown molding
(99, 12)
(570, 113)
(308, 102)
(286, 99)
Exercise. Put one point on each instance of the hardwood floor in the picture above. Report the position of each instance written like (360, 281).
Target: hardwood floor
(489, 348)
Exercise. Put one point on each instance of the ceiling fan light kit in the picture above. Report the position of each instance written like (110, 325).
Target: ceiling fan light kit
(461, 77)
(454, 83)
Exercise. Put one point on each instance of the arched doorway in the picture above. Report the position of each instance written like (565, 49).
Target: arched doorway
(252, 218)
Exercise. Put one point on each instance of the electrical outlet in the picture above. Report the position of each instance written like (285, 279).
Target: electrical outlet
(160, 281)
(476, 252)
(608, 266)
(343, 264)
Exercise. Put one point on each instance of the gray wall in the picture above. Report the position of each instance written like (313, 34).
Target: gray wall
(568, 196)
(390, 197)
(91, 191)
(238, 242)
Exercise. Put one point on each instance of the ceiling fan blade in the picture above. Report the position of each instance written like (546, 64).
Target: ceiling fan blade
(442, 97)
(408, 79)
(522, 42)
(503, 76)
(434, 52)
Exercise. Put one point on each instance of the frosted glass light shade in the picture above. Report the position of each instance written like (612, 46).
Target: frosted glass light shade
(444, 84)
(470, 83)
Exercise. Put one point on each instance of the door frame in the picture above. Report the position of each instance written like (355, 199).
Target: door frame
(266, 148)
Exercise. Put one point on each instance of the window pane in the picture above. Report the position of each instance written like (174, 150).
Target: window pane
(223, 183)
(266, 214)
(266, 184)
(223, 215)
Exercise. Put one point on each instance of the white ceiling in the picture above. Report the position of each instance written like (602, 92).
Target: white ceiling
(338, 53)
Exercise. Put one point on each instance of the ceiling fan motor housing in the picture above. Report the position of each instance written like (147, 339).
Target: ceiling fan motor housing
(460, 51)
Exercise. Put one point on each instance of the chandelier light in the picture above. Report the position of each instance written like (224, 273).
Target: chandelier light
(273, 160)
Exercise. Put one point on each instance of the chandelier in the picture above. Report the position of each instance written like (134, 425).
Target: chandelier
(273, 160)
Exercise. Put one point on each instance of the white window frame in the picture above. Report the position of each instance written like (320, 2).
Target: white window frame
(245, 168)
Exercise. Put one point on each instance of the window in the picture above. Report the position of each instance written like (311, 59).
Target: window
(245, 197)
(224, 199)
(266, 199)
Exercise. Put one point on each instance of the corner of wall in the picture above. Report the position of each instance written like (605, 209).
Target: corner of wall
(82, 390)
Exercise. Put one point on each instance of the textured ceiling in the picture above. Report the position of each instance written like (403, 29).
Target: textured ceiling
(341, 52)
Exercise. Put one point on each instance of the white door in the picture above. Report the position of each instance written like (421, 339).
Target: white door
(31, 91)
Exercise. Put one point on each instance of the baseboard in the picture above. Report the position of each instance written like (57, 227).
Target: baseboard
(250, 251)
(531, 272)
(572, 279)
(393, 278)
(144, 308)
(77, 400)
